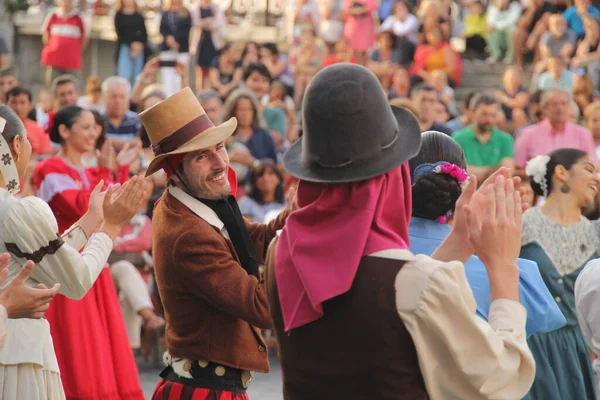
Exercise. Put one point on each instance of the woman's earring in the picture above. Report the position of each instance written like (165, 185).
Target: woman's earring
(18, 156)
(564, 188)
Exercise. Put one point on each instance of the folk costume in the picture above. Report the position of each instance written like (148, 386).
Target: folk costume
(29, 368)
(356, 314)
(206, 260)
(89, 334)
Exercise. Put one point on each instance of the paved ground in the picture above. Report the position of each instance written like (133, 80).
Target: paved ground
(263, 387)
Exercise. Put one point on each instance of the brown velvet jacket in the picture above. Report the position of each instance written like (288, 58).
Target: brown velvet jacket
(214, 310)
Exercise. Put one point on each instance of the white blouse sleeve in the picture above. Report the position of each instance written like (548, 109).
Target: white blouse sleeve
(31, 226)
(461, 356)
(3, 319)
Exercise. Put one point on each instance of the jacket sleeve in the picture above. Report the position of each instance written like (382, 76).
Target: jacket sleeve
(262, 234)
(216, 277)
(460, 355)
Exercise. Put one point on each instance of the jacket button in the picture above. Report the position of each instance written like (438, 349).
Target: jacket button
(261, 348)
(220, 370)
(560, 281)
(187, 366)
(558, 300)
(203, 364)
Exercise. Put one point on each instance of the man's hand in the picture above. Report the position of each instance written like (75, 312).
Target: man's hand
(21, 301)
(291, 200)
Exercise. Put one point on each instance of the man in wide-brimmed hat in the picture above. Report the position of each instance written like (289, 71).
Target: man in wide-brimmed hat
(356, 315)
(206, 258)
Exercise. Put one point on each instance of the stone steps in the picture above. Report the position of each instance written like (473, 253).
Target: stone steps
(482, 77)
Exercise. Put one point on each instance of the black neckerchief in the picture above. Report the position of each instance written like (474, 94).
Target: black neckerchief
(229, 213)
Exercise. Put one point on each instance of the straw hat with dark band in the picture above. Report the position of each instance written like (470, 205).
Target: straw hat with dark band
(179, 125)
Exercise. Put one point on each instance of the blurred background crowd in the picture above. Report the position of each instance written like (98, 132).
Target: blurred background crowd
(507, 79)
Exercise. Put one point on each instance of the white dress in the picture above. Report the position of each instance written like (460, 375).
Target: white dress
(28, 365)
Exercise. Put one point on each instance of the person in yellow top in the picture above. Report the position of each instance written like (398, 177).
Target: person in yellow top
(476, 29)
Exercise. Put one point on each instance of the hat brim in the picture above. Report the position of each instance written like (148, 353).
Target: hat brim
(404, 148)
(208, 138)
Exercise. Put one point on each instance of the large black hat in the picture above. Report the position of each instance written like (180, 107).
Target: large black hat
(350, 131)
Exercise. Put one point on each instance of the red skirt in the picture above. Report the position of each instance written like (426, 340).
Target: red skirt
(92, 347)
(166, 390)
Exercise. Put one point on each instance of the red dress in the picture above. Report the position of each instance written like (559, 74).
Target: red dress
(89, 335)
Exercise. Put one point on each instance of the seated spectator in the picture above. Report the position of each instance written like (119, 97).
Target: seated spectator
(277, 63)
(251, 141)
(464, 119)
(341, 53)
(225, 74)
(432, 17)
(307, 60)
(442, 112)
(404, 27)
(559, 41)
(424, 97)
(439, 81)
(278, 99)
(93, 96)
(486, 147)
(131, 254)
(514, 98)
(149, 77)
(400, 84)
(575, 15)
(66, 93)
(553, 132)
(258, 80)
(435, 54)
(44, 104)
(8, 80)
(588, 51)
(250, 54)
(592, 123)
(476, 30)
(123, 125)
(21, 102)
(502, 17)
(211, 102)
(265, 194)
(306, 16)
(557, 76)
(359, 27)
(332, 21)
(583, 90)
(383, 60)
(530, 28)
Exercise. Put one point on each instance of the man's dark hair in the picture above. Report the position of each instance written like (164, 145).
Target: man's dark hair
(536, 97)
(259, 68)
(17, 91)
(422, 87)
(467, 99)
(482, 99)
(63, 80)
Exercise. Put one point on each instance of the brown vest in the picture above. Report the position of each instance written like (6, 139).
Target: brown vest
(360, 348)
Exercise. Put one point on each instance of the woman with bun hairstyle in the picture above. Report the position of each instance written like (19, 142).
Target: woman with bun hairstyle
(90, 339)
(29, 368)
(439, 176)
(561, 240)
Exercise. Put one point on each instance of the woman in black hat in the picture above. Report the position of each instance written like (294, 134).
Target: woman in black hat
(356, 314)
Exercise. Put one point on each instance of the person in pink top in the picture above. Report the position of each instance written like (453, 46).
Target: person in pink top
(553, 132)
(20, 101)
(360, 26)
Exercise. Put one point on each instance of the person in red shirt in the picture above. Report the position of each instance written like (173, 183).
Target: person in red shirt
(64, 36)
(341, 53)
(20, 101)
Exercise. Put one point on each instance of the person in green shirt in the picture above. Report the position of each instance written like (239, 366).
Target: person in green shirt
(486, 147)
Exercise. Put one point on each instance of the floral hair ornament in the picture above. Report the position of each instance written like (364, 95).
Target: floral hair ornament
(8, 168)
(537, 168)
(444, 167)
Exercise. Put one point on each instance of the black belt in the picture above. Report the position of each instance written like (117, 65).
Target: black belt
(231, 380)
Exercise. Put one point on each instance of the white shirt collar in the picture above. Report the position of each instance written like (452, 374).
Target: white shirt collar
(198, 208)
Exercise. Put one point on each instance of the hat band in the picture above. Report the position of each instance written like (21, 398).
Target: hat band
(183, 135)
(345, 164)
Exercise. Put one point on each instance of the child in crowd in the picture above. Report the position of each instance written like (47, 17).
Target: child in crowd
(439, 80)
(476, 29)
(8, 80)
(64, 35)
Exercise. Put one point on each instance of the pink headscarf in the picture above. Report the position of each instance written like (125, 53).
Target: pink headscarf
(320, 248)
